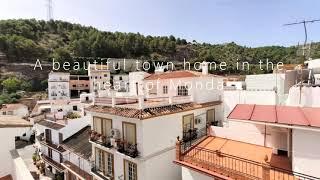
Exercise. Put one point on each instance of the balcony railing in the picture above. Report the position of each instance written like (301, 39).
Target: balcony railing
(192, 137)
(128, 149)
(100, 139)
(121, 145)
(238, 168)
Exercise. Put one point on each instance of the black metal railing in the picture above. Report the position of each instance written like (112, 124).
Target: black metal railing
(192, 137)
(128, 149)
(100, 139)
(239, 168)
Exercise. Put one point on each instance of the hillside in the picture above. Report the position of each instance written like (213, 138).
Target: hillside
(24, 40)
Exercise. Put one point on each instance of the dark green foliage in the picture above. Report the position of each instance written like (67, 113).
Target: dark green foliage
(26, 40)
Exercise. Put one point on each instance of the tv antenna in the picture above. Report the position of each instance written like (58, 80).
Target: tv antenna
(304, 22)
(49, 10)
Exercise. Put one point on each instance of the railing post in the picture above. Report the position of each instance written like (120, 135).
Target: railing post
(178, 149)
(265, 171)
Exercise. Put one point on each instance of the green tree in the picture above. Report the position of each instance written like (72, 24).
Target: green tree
(11, 84)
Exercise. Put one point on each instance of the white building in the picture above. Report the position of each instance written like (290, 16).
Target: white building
(62, 119)
(19, 110)
(137, 140)
(58, 85)
(136, 83)
(121, 82)
(14, 167)
(99, 77)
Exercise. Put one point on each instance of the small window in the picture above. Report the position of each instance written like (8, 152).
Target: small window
(74, 85)
(105, 75)
(96, 77)
(120, 78)
(165, 89)
(182, 90)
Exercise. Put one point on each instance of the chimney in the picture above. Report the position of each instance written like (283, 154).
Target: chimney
(204, 67)
(141, 101)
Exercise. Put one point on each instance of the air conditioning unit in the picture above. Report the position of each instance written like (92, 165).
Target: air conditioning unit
(114, 137)
(115, 134)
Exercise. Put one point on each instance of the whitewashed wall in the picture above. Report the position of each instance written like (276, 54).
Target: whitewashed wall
(306, 152)
(233, 97)
(310, 96)
(7, 144)
(76, 160)
(188, 174)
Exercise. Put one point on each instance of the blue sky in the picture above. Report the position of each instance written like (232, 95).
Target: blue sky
(246, 22)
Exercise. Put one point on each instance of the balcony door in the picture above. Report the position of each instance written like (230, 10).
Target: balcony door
(102, 126)
(187, 123)
(129, 133)
(104, 162)
(211, 118)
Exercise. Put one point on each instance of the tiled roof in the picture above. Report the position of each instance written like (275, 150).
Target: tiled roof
(287, 115)
(176, 74)
(51, 125)
(13, 121)
(79, 143)
(149, 112)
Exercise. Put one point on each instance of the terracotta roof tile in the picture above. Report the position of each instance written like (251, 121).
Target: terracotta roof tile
(287, 115)
(149, 112)
(176, 74)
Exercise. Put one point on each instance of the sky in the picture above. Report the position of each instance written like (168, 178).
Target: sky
(246, 22)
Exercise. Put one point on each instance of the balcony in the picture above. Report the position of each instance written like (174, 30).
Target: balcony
(100, 139)
(128, 149)
(224, 158)
(121, 146)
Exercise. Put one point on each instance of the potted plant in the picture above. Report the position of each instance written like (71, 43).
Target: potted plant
(34, 158)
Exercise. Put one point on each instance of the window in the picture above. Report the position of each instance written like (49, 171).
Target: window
(120, 78)
(75, 108)
(165, 89)
(10, 113)
(104, 162)
(102, 126)
(130, 170)
(105, 75)
(129, 133)
(188, 122)
(182, 90)
(74, 85)
(211, 118)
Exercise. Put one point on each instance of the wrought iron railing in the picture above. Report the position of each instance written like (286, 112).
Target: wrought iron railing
(100, 139)
(192, 137)
(239, 168)
(128, 149)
